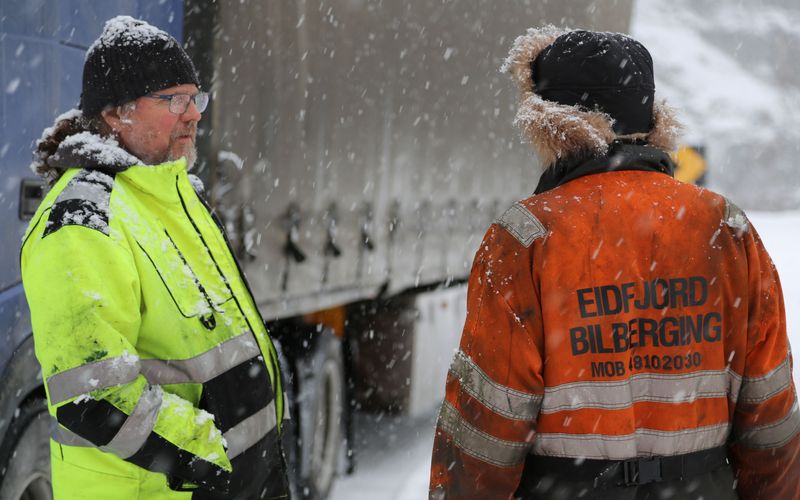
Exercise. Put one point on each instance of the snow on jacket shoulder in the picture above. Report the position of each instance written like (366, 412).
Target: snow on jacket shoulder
(155, 359)
(623, 314)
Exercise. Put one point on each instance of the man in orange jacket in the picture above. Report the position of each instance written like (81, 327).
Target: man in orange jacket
(625, 334)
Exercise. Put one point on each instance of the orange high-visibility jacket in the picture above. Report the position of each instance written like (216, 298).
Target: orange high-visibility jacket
(622, 314)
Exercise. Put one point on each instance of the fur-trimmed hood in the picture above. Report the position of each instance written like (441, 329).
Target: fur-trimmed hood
(88, 150)
(76, 141)
(558, 131)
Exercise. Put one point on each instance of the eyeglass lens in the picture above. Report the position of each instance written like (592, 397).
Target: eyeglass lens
(180, 102)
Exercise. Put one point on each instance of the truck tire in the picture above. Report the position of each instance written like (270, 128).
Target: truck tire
(25, 455)
(321, 415)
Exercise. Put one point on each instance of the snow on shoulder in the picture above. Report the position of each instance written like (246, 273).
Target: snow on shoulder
(197, 184)
(127, 31)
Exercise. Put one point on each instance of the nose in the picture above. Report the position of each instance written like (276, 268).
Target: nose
(191, 113)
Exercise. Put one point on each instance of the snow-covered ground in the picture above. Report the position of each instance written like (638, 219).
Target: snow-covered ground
(731, 71)
(393, 457)
(780, 232)
(394, 453)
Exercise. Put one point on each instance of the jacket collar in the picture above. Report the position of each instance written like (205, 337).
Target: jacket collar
(621, 156)
(160, 181)
(91, 151)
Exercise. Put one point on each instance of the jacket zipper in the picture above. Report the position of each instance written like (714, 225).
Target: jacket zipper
(208, 320)
(272, 359)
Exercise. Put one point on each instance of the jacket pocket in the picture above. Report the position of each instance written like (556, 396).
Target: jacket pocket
(87, 473)
(193, 296)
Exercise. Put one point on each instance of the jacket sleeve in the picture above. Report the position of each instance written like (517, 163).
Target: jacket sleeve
(766, 422)
(83, 290)
(494, 387)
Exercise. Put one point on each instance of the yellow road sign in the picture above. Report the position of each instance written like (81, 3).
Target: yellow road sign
(690, 164)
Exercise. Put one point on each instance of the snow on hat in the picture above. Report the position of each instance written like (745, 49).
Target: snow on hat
(582, 90)
(606, 71)
(130, 59)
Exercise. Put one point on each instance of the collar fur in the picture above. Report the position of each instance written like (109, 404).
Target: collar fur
(557, 131)
(91, 151)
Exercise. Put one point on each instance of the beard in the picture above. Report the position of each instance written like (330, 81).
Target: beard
(181, 149)
(187, 151)
(177, 147)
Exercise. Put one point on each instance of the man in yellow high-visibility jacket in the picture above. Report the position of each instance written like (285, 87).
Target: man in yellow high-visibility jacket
(160, 375)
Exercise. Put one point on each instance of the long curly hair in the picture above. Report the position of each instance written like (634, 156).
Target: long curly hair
(66, 125)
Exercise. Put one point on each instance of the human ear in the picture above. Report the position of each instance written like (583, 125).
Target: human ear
(112, 118)
(118, 117)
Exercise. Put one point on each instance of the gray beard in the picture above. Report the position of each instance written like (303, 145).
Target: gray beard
(191, 158)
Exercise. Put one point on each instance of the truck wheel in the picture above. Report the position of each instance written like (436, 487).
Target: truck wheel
(321, 421)
(25, 455)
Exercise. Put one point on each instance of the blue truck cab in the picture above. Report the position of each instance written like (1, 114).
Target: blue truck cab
(42, 49)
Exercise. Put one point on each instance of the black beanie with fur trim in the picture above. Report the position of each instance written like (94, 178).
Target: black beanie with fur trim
(607, 72)
(131, 58)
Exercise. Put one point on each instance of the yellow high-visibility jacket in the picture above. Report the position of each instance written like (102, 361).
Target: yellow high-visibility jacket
(158, 368)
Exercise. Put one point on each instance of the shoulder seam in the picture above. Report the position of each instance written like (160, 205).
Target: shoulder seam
(522, 224)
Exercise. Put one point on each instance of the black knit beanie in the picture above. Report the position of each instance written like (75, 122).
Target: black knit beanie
(609, 72)
(130, 59)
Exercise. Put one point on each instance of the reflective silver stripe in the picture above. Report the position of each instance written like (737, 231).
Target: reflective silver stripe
(89, 186)
(760, 389)
(92, 377)
(643, 442)
(130, 437)
(735, 385)
(138, 426)
(735, 217)
(478, 444)
(522, 224)
(94, 186)
(203, 367)
(66, 437)
(500, 399)
(772, 435)
(251, 430)
(683, 388)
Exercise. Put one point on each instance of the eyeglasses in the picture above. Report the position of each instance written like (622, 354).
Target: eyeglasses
(179, 103)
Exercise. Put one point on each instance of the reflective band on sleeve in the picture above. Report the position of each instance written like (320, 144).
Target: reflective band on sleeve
(759, 389)
(86, 185)
(251, 430)
(500, 399)
(735, 386)
(683, 388)
(522, 224)
(62, 435)
(92, 377)
(131, 436)
(203, 367)
(772, 435)
(138, 426)
(82, 202)
(644, 442)
(478, 444)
